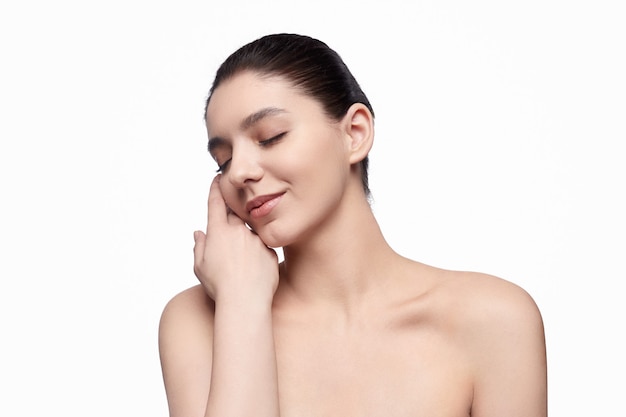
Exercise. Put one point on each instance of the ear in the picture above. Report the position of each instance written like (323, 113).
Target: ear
(358, 125)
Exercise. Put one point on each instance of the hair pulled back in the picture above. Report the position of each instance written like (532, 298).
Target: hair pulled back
(310, 65)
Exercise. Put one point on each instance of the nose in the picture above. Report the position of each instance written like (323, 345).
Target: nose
(244, 167)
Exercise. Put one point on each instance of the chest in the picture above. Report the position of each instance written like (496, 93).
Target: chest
(373, 372)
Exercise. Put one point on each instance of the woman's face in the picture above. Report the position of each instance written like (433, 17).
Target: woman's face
(284, 163)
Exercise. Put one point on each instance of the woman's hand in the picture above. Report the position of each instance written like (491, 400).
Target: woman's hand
(230, 260)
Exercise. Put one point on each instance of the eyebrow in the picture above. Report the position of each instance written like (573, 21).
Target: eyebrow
(260, 115)
(247, 123)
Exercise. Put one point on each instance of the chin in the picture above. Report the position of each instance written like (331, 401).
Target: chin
(274, 241)
(274, 238)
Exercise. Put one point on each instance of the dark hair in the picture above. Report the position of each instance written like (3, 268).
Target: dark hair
(310, 65)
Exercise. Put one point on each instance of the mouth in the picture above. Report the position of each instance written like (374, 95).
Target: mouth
(263, 205)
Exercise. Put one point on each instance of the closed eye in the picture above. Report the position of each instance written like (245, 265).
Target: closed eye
(223, 167)
(272, 140)
(262, 143)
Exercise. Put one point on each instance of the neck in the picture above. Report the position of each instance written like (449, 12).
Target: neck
(346, 260)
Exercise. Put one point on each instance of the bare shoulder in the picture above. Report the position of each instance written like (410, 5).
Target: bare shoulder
(187, 311)
(498, 326)
(186, 323)
(187, 320)
(489, 299)
(192, 300)
(484, 309)
(185, 346)
(470, 299)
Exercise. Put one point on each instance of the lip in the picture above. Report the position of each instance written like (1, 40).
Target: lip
(262, 205)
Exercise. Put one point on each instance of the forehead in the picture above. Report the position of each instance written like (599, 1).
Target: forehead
(246, 93)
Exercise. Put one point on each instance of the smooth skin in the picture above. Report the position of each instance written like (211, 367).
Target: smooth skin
(344, 326)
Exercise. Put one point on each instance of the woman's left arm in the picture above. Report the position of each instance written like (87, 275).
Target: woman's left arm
(509, 355)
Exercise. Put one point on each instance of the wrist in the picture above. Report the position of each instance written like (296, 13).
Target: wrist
(243, 302)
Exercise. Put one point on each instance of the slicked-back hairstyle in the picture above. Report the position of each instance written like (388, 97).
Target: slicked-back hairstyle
(310, 65)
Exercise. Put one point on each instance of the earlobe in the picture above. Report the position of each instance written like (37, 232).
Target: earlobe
(359, 128)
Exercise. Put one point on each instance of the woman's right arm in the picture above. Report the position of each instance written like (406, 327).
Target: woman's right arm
(218, 358)
(185, 348)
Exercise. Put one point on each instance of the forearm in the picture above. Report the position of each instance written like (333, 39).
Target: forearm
(244, 377)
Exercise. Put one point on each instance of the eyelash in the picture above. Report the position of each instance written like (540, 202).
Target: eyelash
(222, 167)
(263, 143)
(272, 140)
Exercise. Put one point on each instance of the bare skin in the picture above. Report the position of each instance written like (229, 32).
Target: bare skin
(345, 326)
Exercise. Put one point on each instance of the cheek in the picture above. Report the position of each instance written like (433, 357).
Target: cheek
(324, 149)
(322, 164)
(229, 194)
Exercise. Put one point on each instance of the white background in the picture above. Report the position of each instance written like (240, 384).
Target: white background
(499, 148)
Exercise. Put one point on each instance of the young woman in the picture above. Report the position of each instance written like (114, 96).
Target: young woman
(344, 326)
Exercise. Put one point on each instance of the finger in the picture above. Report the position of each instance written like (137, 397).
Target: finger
(216, 204)
(233, 218)
(198, 249)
